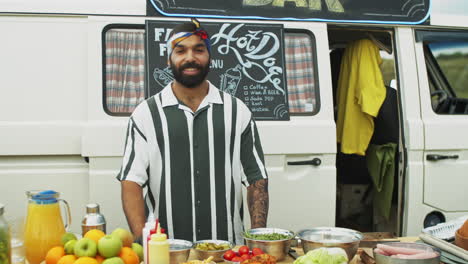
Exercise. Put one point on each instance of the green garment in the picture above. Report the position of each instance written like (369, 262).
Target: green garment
(381, 165)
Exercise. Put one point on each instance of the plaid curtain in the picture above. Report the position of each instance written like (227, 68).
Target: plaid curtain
(125, 69)
(300, 72)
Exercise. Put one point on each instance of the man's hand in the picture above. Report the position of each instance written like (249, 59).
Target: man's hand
(257, 199)
(133, 205)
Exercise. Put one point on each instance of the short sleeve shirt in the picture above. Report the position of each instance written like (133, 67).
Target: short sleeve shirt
(193, 164)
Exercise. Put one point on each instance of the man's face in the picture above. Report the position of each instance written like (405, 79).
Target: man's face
(190, 61)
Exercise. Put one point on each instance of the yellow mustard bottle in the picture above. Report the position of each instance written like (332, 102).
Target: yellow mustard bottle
(158, 248)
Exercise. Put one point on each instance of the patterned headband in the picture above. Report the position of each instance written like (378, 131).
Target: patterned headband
(180, 36)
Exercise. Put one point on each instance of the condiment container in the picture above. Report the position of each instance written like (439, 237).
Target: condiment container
(149, 226)
(93, 219)
(5, 240)
(158, 248)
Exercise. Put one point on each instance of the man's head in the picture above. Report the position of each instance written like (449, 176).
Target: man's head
(189, 53)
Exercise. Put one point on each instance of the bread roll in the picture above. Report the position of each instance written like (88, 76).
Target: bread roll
(464, 229)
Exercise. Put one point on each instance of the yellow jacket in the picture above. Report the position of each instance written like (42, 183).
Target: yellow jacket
(361, 92)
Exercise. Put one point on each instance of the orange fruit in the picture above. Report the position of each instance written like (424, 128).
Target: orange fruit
(94, 234)
(129, 256)
(100, 259)
(86, 260)
(54, 254)
(67, 259)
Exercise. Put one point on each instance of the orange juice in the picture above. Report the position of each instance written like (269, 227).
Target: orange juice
(44, 229)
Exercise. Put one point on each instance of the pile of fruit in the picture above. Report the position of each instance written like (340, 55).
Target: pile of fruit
(95, 248)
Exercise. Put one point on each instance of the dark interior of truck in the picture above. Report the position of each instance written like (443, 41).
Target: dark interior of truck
(357, 192)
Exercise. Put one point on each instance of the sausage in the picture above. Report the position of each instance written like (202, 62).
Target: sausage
(391, 250)
(381, 252)
(424, 255)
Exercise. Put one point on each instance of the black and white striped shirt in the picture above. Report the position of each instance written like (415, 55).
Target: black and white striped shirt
(194, 163)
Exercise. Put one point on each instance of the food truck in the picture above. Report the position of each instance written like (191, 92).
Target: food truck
(73, 71)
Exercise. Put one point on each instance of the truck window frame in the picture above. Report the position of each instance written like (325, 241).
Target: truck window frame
(103, 48)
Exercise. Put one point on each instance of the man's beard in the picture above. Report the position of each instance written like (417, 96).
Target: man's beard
(192, 80)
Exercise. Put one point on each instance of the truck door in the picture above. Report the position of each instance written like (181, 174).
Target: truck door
(300, 153)
(442, 57)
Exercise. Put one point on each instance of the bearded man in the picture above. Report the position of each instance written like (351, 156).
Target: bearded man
(189, 150)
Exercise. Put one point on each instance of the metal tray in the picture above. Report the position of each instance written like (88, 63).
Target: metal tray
(446, 231)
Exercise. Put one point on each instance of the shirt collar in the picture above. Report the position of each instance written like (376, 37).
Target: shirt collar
(168, 97)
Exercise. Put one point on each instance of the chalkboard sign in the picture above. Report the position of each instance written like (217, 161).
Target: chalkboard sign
(247, 62)
(363, 11)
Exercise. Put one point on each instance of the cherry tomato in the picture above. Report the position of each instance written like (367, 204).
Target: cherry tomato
(246, 256)
(229, 255)
(244, 250)
(237, 259)
(257, 251)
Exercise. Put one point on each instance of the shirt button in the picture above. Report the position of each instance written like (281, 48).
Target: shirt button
(198, 172)
(198, 202)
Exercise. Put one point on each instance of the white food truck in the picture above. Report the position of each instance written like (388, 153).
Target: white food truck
(63, 123)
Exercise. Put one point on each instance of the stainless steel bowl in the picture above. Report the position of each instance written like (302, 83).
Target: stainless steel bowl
(179, 250)
(216, 254)
(344, 238)
(382, 259)
(276, 248)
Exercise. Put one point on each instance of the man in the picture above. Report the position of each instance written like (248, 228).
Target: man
(192, 147)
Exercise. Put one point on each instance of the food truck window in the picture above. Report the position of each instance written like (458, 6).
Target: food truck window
(124, 70)
(301, 73)
(448, 76)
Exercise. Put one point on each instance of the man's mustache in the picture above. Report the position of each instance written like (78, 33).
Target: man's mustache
(190, 65)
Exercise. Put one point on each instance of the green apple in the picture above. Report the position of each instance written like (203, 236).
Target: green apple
(70, 247)
(114, 260)
(85, 247)
(109, 246)
(124, 235)
(67, 237)
(138, 250)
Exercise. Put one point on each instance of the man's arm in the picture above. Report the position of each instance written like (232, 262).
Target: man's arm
(133, 205)
(257, 199)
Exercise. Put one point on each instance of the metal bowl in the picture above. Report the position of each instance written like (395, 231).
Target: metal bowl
(382, 259)
(216, 254)
(276, 248)
(344, 238)
(179, 250)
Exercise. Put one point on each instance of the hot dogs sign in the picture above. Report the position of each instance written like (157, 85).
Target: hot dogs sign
(247, 62)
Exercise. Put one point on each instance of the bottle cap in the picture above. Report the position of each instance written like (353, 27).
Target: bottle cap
(158, 236)
(92, 208)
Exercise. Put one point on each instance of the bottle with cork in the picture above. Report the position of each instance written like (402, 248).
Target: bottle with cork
(93, 219)
(158, 248)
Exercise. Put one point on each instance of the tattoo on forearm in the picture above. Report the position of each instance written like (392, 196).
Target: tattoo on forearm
(257, 199)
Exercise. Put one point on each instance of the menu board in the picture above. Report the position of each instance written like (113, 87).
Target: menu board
(247, 61)
(366, 11)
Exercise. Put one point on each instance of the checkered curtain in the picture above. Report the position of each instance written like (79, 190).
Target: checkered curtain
(125, 69)
(300, 72)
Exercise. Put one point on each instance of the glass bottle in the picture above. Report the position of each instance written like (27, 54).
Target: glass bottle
(5, 240)
(93, 219)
